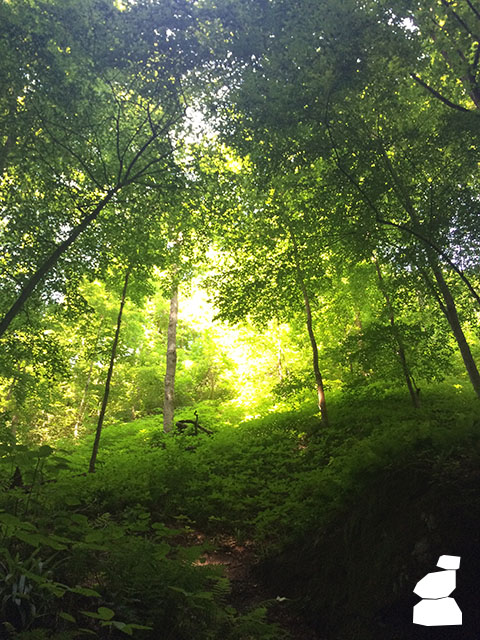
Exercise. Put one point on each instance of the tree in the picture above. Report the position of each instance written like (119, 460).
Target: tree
(413, 390)
(106, 393)
(396, 162)
(446, 38)
(168, 403)
(114, 134)
(272, 267)
(322, 404)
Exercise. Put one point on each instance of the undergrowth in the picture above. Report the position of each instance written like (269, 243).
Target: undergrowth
(112, 553)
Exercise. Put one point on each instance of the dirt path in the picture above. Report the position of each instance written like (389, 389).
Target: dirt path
(248, 591)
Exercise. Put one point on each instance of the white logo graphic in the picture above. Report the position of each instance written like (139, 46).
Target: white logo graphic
(437, 609)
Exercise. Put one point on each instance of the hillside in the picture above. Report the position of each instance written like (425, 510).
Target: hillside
(262, 530)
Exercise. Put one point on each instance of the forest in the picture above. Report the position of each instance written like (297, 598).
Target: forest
(239, 317)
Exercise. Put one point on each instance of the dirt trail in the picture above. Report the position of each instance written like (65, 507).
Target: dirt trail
(248, 591)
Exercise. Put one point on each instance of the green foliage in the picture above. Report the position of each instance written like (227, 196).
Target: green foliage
(121, 552)
(317, 165)
(143, 579)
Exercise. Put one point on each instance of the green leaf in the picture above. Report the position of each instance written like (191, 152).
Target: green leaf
(34, 539)
(8, 518)
(161, 550)
(92, 614)
(85, 591)
(44, 451)
(79, 518)
(94, 536)
(140, 626)
(106, 613)
(90, 545)
(127, 629)
(62, 465)
(67, 616)
(119, 625)
(54, 542)
(57, 589)
(204, 595)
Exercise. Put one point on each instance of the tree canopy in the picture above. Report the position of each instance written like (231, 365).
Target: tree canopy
(245, 214)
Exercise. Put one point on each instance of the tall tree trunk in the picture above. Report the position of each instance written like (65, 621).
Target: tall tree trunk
(106, 392)
(51, 261)
(126, 176)
(448, 305)
(81, 409)
(450, 310)
(169, 396)
(413, 390)
(322, 404)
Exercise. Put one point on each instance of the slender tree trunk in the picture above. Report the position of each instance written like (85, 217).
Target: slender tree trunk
(212, 380)
(81, 409)
(106, 392)
(126, 176)
(448, 305)
(358, 320)
(51, 261)
(322, 404)
(412, 388)
(169, 396)
(450, 310)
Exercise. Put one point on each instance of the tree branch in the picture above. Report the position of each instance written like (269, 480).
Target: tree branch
(438, 95)
(141, 172)
(154, 135)
(437, 249)
(83, 164)
(396, 225)
(52, 260)
(460, 20)
(475, 11)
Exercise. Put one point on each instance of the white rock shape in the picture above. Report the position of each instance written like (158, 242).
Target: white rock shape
(436, 613)
(449, 562)
(438, 584)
